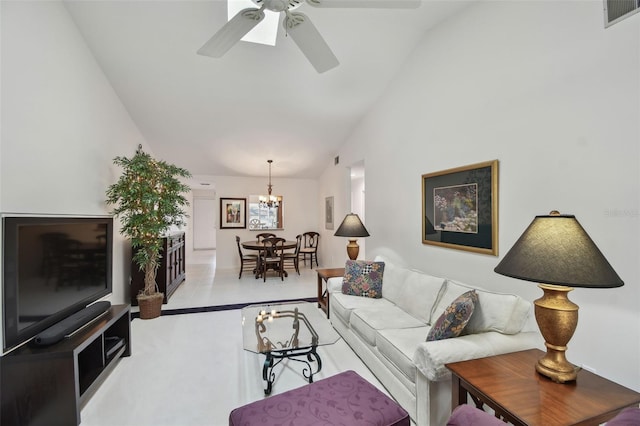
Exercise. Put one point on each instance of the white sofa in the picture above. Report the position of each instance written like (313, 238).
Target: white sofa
(389, 335)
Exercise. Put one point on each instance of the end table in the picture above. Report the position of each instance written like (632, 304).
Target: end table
(510, 385)
(323, 294)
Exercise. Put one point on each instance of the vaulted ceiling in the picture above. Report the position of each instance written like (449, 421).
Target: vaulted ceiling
(227, 116)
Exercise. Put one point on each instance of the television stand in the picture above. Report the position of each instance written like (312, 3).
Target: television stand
(49, 385)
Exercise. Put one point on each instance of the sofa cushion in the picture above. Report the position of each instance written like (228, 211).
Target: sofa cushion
(419, 294)
(363, 278)
(343, 305)
(504, 313)
(454, 318)
(394, 279)
(399, 345)
(366, 321)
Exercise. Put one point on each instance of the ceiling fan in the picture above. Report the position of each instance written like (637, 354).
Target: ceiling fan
(296, 24)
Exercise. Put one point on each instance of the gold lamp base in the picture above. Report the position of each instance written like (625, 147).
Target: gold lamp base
(557, 318)
(353, 249)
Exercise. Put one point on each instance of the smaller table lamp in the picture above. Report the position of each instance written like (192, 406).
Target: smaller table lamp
(557, 252)
(352, 228)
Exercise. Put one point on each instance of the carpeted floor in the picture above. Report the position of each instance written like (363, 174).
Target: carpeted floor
(189, 370)
(188, 367)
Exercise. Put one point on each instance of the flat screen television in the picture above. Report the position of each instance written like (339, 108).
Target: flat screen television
(52, 267)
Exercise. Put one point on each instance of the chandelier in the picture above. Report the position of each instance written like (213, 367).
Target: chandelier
(269, 201)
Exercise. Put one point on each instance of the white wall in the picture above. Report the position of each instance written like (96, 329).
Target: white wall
(358, 207)
(301, 212)
(348, 197)
(62, 123)
(544, 88)
(335, 182)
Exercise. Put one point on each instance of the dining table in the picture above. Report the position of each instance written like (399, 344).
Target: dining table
(258, 246)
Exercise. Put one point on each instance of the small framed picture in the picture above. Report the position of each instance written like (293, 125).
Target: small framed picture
(460, 208)
(328, 213)
(233, 213)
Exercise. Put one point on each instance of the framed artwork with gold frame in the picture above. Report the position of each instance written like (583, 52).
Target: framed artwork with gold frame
(460, 208)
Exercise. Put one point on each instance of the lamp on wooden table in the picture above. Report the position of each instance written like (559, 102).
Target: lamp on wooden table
(557, 252)
(352, 228)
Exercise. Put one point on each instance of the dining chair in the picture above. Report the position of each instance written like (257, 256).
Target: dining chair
(292, 258)
(261, 236)
(310, 247)
(272, 256)
(249, 259)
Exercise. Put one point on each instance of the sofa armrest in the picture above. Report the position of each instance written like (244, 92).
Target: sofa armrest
(334, 285)
(430, 357)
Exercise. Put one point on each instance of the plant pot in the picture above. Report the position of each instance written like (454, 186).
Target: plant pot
(150, 306)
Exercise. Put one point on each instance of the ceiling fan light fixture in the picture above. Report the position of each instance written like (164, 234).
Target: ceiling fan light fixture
(310, 41)
(265, 32)
(373, 4)
(232, 32)
(297, 25)
(279, 5)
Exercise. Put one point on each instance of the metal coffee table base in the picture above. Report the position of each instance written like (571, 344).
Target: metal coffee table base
(286, 331)
(274, 358)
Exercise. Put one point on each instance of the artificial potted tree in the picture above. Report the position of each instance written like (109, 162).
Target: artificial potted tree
(148, 200)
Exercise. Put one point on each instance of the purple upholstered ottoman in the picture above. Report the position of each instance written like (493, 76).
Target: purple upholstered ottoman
(468, 415)
(344, 399)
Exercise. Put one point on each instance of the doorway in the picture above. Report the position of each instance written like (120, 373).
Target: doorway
(204, 223)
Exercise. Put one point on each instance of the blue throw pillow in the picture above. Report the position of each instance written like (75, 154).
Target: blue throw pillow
(363, 278)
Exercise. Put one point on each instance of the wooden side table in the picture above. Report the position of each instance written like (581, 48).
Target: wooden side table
(323, 294)
(510, 385)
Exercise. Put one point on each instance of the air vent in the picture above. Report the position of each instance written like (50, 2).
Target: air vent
(617, 10)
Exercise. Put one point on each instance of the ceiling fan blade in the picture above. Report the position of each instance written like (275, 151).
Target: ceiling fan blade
(309, 40)
(232, 32)
(374, 4)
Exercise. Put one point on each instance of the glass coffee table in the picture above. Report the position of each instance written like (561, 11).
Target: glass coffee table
(280, 331)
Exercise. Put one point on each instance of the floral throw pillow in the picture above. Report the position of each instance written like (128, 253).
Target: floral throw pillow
(454, 318)
(363, 278)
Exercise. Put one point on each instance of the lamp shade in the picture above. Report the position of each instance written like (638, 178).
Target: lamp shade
(555, 249)
(352, 227)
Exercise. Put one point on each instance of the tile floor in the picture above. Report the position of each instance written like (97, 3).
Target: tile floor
(206, 286)
(191, 369)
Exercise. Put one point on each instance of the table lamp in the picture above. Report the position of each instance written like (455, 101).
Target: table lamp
(352, 228)
(557, 252)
